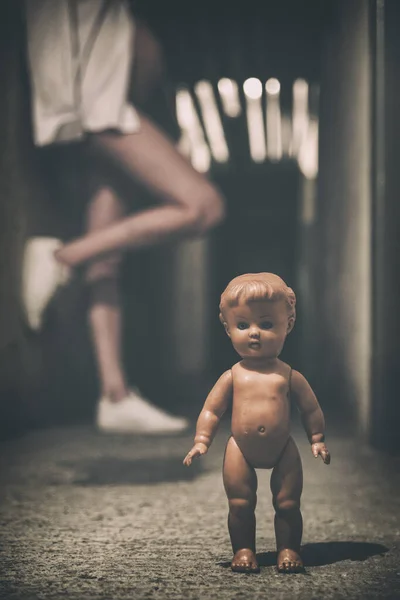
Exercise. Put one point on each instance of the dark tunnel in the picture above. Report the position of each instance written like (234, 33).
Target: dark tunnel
(290, 109)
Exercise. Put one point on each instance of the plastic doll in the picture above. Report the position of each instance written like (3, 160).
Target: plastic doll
(258, 312)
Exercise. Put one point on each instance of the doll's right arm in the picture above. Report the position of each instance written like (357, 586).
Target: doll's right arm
(207, 424)
(215, 406)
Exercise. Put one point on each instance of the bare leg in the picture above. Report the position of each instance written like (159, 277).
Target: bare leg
(105, 209)
(191, 203)
(286, 487)
(104, 308)
(240, 483)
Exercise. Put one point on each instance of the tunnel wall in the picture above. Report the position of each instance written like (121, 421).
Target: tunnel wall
(343, 234)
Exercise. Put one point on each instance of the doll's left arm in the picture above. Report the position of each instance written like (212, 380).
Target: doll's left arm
(312, 416)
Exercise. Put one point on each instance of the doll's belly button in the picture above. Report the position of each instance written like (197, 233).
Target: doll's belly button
(261, 429)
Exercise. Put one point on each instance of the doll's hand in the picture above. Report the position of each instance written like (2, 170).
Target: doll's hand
(195, 452)
(320, 449)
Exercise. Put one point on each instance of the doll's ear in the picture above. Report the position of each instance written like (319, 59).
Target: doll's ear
(225, 324)
(290, 326)
(226, 328)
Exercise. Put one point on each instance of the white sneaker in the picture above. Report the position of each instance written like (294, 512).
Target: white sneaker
(42, 274)
(135, 414)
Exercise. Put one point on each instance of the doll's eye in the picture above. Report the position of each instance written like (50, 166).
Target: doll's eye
(266, 325)
(242, 325)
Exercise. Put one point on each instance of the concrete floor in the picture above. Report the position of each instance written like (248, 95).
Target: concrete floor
(89, 516)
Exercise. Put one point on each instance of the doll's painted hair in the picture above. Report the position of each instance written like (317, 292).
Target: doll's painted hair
(253, 287)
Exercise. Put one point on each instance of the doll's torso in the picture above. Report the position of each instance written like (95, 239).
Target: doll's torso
(261, 413)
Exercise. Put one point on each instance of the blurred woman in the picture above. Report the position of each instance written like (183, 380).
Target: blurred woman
(81, 56)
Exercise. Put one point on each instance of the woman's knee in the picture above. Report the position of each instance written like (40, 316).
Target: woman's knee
(207, 212)
(105, 268)
(214, 211)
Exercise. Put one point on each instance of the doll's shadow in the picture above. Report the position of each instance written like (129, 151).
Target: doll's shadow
(325, 553)
(108, 470)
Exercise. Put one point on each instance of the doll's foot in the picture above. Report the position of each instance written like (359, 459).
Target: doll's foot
(42, 275)
(289, 561)
(245, 561)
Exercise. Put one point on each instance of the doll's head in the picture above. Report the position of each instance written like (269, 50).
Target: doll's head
(258, 310)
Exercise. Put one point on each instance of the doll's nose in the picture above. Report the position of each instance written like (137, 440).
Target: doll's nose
(254, 332)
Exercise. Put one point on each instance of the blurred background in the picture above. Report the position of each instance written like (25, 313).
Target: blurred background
(292, 109)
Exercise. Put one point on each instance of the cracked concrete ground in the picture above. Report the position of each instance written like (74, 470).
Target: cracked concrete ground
(105, 517)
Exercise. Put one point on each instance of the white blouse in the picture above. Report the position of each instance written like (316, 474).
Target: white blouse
(80, 56)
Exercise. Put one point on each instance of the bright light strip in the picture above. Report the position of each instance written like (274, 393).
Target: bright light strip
(300, 114)
(212, 121)
(192, 131)
(255, 124)
(201, 158)
(229, 93)
(272, 87)
(184, 146)
(308, 152)
(252, 88)
(273, 120)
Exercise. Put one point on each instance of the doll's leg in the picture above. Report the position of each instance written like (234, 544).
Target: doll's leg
(240, 482)
(104, 315)
(191, 204)
(286, 487)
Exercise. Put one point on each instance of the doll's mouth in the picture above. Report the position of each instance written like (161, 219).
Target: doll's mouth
(255, 345)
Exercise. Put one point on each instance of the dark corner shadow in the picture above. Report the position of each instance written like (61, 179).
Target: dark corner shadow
(325, 553)
(116, 471)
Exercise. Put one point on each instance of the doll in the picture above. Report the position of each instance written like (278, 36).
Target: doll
(257, 312)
